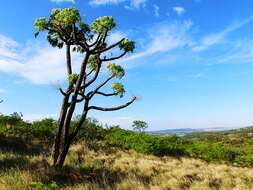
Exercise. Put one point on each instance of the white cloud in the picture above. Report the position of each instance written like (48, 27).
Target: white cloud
(39, 64)
(240, 52)
(197, 75)
(116, 36)
(138, 3)
(133, 3)
(219, 37)
(104, 2)
(8, 47)
(166, 38)
(179, 10)
(156, 10)
(3, 91)
(61, 1)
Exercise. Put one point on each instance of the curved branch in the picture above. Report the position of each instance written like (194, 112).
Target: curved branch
(113, 108)
(83, 97)
(89, 73)
(114, 58)
(92, 93)
(94, 78)
(96, 41)
(106, 94)
(62, 92)
(109, 47)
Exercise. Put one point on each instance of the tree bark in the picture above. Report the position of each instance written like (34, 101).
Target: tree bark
(58, 137)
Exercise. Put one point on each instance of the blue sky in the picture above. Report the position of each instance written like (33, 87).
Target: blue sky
(193, 65)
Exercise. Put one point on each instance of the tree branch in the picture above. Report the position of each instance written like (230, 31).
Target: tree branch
(82, 119)
(113, 108)
(96, 41)
(92, 93)
(68, 57)
(83, 97)
(106, 94)
(89, 73)
(94, 78)
(108, 48)
(114, 58)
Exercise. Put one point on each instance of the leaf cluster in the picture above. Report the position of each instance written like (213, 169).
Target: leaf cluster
(116, 70)
(118, 88)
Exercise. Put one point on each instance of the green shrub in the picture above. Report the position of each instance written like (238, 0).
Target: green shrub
(40, 186)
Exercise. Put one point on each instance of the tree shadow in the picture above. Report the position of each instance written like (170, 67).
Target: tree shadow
(70, 176)
(21, 147)
(14, 162)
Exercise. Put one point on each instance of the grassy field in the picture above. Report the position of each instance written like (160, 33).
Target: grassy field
(110, 158)
(24, 164)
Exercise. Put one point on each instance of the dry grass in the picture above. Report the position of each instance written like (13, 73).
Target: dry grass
(89, 170)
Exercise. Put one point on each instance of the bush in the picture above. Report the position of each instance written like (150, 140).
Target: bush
(41, 186)
(44, 129)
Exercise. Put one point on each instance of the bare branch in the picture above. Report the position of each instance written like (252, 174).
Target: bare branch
(89, 73)
(83, 97)
(62, 92)
(94, 77)
(96, 41)
(109, 47)
(114, 58)
(68, 57)
(113, 108)
(92, 93)
(106, 94)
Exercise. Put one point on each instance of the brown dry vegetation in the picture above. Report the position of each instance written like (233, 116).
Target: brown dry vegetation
(86, 169)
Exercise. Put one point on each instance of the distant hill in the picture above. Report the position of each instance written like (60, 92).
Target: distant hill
(184, 131)
(180, 131)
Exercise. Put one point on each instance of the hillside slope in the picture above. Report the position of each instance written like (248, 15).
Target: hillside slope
(121, 170)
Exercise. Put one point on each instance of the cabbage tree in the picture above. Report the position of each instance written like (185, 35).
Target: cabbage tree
(66, 29)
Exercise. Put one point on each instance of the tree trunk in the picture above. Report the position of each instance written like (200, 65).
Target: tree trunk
(58, 137)
(62, 156)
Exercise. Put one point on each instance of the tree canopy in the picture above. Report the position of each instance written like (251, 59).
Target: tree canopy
(66, 29)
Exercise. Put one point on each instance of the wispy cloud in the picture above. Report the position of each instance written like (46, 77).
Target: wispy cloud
(197, 75)
(168, 36)
(8, 47)
(62, 1)
(132, 3)
(156, 10)
(219, 37)
(3, 91)
(37, 63)
(179, 10)
(104, 2)
(241, 51)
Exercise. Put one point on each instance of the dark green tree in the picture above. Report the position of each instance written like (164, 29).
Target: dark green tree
(66, 29)
(139, 125)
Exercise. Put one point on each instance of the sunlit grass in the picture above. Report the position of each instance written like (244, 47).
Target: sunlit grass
(121, 170)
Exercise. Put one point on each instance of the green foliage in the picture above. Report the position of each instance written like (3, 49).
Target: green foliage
(116, 70)
(64, 18)
(44, 129)
(232, 147)
(40, 186)
(60, 25)
(127, 45)
(40, 24)
(139, 125)
(72, 78)
(103, 24)
(93, 62)
(118, 89)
